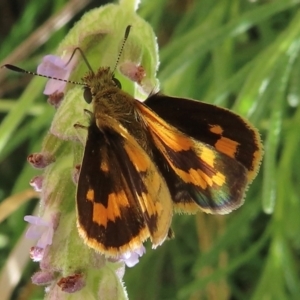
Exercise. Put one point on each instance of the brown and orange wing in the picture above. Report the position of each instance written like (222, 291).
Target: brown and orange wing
(207, 155)
(122, 198)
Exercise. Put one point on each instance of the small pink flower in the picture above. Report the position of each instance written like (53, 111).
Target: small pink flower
(40, 160)
(75, 173)
(42, 278)
(132, 258)
(55, 99)
(72, 283)
(37, 183)
(56, 67)
(42, 231)
(36, 253)
(134, 72)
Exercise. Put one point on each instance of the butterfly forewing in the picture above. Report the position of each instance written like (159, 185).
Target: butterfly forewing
(198, 169)
(122, 192)
(226, 131)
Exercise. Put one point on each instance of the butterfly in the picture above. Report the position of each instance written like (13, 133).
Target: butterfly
(143, 161)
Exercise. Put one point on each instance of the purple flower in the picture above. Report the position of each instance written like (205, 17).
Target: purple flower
(56, 67)
(42, 278)
(40, 160)
(56, 99)
(134, 72)
(36, 253)
(42, 231)
(37, 183)
(132, 258)
(72, 283)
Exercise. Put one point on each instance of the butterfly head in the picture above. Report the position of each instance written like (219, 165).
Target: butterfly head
(101, 81)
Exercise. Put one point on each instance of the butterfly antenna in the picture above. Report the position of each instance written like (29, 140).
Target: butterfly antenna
(19, 70)
(83, 57)
(127, 31)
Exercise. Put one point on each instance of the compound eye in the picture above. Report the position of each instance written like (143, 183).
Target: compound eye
(87, 95)
(117, 82)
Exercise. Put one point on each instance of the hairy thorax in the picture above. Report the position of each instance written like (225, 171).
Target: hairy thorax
(114, 107)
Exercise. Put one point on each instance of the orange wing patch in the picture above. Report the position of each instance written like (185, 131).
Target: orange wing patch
(102, 215)
(227, 146)
(217, 129)
(90, 195)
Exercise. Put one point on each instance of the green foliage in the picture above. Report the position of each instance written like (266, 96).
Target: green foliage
(236, 53)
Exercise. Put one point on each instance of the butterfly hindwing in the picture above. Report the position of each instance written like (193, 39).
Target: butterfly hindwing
(122, 192)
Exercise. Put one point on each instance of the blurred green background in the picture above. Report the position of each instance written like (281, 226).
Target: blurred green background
(239, 54)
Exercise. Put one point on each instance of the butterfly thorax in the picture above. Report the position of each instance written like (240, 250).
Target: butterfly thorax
(113, 107)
